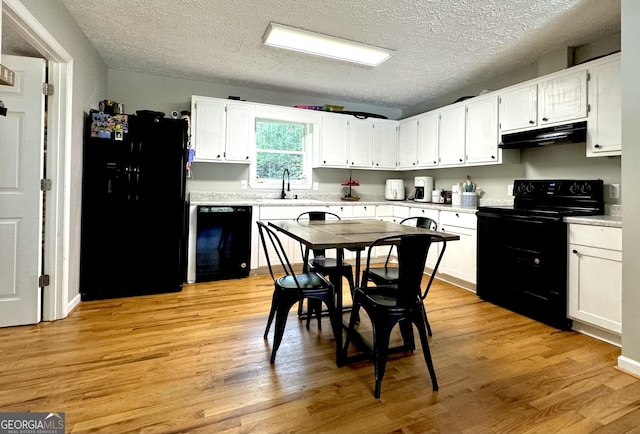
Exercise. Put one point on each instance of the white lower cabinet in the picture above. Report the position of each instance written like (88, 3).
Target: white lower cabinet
(434, 250)
(291, 246)
(459, 260)
(595, 276)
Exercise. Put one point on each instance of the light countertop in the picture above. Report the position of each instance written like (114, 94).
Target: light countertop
(206, 198)
(611, 221)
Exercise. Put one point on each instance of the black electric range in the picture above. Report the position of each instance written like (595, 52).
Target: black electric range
(522, 249)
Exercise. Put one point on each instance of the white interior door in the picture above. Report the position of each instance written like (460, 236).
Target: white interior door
(21, 168)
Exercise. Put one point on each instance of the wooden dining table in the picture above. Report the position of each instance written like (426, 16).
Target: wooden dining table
(353, 234)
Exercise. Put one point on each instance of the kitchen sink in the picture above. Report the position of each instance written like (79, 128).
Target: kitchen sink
(287, 200)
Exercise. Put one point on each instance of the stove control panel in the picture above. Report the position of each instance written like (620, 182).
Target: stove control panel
(560, 188)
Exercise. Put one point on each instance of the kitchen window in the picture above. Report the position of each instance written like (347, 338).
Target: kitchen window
(282, 145)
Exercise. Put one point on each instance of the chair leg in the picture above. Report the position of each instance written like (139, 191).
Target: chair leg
(352, 285)
(314, 306)
(406, 329)
(336, 323)
(353, 319)
(272, 312)
(424, 340)
(426, 320)
(381, 335)
(282, 312)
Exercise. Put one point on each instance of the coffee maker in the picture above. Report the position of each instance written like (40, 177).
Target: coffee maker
(422, 188)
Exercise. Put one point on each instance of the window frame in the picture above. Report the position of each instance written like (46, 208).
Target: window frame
(311, 122)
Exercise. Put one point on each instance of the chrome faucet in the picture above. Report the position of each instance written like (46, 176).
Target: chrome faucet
(282, 193)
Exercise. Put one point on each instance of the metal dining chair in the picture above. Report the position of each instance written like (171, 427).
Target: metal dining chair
(402, 303)
(323, 265)
(388, 275)
(293, 288)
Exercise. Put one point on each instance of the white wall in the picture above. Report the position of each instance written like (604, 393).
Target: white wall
(89, 86)
(631, 177)
(152, 92)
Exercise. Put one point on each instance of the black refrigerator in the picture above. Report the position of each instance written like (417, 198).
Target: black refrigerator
(134, 212)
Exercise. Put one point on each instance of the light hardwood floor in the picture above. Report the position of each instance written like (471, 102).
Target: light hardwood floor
(195, 361)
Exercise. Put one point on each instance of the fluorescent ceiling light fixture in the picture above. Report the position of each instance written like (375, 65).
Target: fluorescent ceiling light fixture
(304, 41)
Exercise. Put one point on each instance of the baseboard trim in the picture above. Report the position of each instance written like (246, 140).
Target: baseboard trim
(629, 366)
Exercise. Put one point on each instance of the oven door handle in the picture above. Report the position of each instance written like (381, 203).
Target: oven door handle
(519, 217)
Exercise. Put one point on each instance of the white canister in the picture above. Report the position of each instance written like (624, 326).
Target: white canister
(456, 195)
(436, 197)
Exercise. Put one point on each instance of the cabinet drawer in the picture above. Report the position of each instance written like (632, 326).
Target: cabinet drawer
(344, 211)
(384, 210)
(400, 211)
(458, 219)
(424, 212)
(364, 211)
(286, 212)
(596, 236)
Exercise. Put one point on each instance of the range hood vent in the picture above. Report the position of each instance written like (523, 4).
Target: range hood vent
(558, 135)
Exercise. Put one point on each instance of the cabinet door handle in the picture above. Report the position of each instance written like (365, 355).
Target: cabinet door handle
(596, 146)
(532, 122)
(545, 119)
(575, 251)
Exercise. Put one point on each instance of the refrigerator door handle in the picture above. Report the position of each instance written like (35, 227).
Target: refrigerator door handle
(137, 172)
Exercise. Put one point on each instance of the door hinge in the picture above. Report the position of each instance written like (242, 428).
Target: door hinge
(43, 280)
(588, 76)
(47, 89)
(45, 184)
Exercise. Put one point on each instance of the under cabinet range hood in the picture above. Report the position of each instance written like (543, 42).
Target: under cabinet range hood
(557, 135)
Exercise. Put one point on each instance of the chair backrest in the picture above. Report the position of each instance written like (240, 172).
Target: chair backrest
(412, 256)
(271, 244)
(316, 216)
(422, 222)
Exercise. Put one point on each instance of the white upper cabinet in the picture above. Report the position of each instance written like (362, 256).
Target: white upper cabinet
(385, 144)
(563, 97)
(452, 136)
(408, 144)
(222, 131)
(334, 141)
(604, 126)
(428, 140)
(360, 143)
(482, 131)
(240, 132)
(519, 108)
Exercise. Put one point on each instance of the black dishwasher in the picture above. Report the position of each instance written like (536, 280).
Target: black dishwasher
(223, 242)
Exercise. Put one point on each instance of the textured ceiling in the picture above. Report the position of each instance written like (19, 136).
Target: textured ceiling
(440, 45)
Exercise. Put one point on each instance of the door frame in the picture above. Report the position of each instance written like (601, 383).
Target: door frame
(55, 297)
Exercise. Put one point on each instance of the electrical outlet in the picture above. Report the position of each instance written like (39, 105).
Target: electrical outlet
(510, 190)
(243, 184)
(614, 191)
(315, 186)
